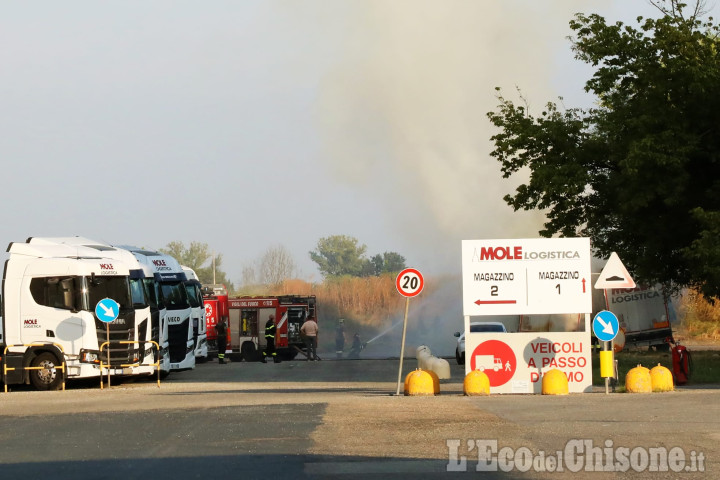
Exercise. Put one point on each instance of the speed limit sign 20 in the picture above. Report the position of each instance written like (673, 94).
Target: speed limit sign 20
(409, 282)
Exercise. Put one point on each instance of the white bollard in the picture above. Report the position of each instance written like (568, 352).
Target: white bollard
(422, 348)
(423, 360)
(440, 366)
(422, 354)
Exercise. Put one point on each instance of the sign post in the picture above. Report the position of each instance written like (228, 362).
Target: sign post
(606, 327)
(107, 310)
(409, 283)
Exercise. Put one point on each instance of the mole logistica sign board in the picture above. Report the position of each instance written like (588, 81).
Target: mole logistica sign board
(517, 277)
(526, 276)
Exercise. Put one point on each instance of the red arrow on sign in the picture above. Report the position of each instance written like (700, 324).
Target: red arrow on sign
(495, 302)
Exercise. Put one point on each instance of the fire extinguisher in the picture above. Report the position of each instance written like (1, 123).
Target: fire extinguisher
(681, 363)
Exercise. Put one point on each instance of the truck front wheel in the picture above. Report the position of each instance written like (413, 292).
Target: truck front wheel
(49, 377)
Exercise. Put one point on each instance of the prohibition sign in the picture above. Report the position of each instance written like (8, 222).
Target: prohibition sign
(409, 282)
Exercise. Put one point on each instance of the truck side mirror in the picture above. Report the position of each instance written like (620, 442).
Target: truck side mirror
(457, 334)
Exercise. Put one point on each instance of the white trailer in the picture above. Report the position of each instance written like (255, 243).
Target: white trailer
(195, 297)
(644, 314)
(49, 297)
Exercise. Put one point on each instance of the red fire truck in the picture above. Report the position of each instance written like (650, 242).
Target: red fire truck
(215, 298)
(248, 316)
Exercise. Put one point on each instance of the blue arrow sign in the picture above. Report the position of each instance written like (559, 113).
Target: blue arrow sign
(107, 310)
(605, 326)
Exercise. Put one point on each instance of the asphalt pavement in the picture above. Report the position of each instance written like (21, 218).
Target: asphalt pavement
(338, 419)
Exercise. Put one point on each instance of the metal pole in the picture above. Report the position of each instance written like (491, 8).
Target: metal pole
(402, 348)
(605, 344)
(108, 354)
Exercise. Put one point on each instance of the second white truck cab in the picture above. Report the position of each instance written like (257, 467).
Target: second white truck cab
(171, 279)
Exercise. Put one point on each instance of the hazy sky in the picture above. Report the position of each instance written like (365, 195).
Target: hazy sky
(251, 124)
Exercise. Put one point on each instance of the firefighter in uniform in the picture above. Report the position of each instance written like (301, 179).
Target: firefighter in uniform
(270, 330)
(221, 330)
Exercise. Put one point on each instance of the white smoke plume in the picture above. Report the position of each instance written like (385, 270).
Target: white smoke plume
(404, 113)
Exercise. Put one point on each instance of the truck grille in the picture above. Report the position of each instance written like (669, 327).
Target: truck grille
(122, 329)
(178, 337)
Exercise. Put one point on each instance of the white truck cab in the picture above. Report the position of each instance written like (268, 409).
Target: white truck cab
(50, 293)
(171, 278)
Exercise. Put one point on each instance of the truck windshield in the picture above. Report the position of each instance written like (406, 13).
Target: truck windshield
(175, 295)
(153, 293)
(137, 291)
(194, 295)
(117, 288)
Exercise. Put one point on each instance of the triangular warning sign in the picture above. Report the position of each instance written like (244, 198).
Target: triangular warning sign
(614, 275)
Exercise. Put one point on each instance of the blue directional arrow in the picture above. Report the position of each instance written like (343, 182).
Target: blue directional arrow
(605, 326)
(107, 310)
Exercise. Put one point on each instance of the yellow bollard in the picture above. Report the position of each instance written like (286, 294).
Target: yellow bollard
(607, 364)
(407, 382)
(661, 379)
(638, 380)
(554, 382)
(476, 383)
(435, 379)
(420, 383)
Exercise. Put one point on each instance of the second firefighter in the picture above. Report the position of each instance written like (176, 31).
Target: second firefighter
(270, 330)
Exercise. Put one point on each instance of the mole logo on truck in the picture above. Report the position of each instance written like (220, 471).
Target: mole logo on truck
(107, 269)
(31, 323)
(161, 266)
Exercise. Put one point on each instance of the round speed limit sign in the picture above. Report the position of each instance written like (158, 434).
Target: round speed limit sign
(409, 282)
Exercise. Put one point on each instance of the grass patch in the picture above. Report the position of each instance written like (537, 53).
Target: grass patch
(705, 365)
(700, 319)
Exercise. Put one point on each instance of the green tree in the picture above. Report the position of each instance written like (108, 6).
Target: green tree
(388, 262)
(198, 257)
(339, 255)
(639, 173)
(193, 256)
(393, 262)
